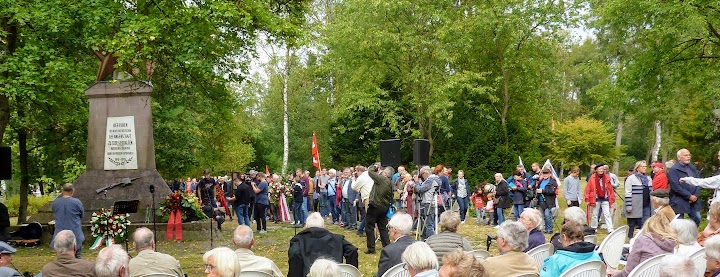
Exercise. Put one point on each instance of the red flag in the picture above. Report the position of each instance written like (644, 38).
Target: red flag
(315, 155)
(267, 170)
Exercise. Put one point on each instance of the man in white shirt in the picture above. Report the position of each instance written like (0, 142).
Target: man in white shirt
(363, 184)
(243, 239)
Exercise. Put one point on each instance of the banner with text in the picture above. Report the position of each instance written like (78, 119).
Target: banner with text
(120, 149)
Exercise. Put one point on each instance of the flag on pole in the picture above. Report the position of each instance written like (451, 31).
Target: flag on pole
(552, 169)
(315, 154)
(267, 171)
(284, 211)
(521, 163)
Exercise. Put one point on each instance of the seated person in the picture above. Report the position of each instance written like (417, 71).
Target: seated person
(324, 268)
(458, 263)
(448, 239)
(657, 239)
(512, 239)
(713, 227)
(687, 234)
(532, 220)
(573, 214)
(712, 257)
(574, 251)
(66, 264)
(147, 261)
(400, 228)
(678, 266)
(420, 260)
(314, 242)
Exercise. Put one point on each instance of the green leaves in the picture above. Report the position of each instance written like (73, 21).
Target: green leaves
(582, 141)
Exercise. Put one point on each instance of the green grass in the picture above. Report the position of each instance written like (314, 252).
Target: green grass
(274, 245)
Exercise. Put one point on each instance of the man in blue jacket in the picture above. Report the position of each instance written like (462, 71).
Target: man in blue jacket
(684, 198)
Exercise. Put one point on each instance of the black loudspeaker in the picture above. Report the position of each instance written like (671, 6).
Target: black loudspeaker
(390, 152)
(421, 152)
(5, 163)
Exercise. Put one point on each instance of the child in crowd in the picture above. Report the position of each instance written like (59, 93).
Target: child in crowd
(298, 211)
(490, 209)
(479, 199)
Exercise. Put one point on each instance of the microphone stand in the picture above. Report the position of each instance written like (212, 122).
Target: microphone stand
(152, 191)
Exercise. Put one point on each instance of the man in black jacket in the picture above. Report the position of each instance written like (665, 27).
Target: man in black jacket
(317, 242)
(400, 232)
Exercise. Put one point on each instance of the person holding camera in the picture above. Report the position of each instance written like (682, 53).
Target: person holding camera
(426, 190)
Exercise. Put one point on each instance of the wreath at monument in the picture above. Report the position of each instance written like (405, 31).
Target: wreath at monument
(107, 227)
(186, 203)
(276, 189)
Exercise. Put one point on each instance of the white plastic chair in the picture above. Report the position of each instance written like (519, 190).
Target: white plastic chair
(591, 239)
(252, 273)
(540, 253)
(586, 269)
(699, 259)
(648, 268)
(480, 254)
(397, 271)
(348, 270)
(612, 246)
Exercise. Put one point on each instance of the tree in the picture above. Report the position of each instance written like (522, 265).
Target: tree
(582, 141)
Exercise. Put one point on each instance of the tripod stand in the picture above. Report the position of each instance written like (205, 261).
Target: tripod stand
(422, 222)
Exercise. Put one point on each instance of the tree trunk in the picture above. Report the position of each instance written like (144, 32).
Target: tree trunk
(505, 92)
(286, 132)
(618, 141)
(22, 145)
(658, 142)
(11, 41)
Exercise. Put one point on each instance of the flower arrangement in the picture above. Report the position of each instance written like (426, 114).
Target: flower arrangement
(187, 203)
(104, 224)
(275, 189)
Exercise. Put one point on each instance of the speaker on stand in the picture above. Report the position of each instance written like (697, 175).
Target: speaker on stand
(421, 152)
(5, 163)
(390, 152)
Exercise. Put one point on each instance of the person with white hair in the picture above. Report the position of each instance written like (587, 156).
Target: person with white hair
(687, 235)
(532, 220)
(712, 256)
(684, 198)
(512, 239)
(244, 241)
(112, 261)
(448, 239)
(147, 261)
(677, 266)
(660, 203)
(400, 228)
(66, 263)
(221, 262)
(314, 242)
(502, 197)
(637, 194)
(572, 214)
(324, 268)
(420, 260)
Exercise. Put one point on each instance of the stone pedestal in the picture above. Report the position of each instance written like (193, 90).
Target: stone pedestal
(117, 99)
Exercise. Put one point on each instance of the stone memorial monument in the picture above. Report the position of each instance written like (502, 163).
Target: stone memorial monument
(120, 163)
(120, 146)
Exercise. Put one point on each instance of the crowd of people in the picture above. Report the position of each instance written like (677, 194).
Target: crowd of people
(418, 225)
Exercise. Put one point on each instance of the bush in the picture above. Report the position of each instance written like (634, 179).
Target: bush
(34, 204)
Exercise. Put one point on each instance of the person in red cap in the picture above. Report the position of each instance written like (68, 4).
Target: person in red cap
(660, 180)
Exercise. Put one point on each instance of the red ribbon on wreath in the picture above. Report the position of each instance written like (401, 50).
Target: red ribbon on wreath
(175, 219)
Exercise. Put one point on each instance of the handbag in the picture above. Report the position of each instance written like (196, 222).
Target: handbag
(391, 211)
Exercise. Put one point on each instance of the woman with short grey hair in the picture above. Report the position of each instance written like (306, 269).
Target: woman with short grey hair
(420, 260)
(712, 256)
(324, 268)
(448, 239)
(687, 235)
(221, 262)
